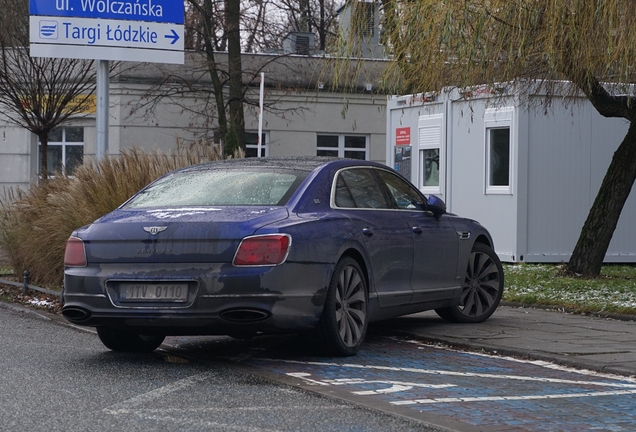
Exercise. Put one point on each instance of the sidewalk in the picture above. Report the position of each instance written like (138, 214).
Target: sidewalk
(599, 344)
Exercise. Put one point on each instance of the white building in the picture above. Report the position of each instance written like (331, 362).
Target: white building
(528, 174)
(303, 118)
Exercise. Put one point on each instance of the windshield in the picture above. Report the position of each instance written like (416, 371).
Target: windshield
(220, 187)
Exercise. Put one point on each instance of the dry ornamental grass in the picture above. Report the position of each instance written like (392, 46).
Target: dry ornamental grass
(35, 224)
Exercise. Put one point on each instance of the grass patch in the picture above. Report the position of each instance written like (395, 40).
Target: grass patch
(544, 284)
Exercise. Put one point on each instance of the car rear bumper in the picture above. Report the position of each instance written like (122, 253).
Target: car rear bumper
(221, 299)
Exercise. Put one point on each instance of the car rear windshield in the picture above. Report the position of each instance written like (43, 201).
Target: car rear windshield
(220, 187)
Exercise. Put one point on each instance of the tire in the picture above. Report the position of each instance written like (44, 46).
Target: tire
(482, 289)
(343, 324)
(126, 341)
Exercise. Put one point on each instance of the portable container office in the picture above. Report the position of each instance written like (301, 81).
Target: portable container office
(528, 172)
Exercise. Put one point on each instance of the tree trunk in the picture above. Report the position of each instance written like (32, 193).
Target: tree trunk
(208, 16)
(44, 170)
(589, 252)
(237, 117)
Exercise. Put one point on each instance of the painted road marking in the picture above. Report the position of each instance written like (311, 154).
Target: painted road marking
(397, 386)
(514, 398)
(153, 395)
(487, 391)
(453, 373)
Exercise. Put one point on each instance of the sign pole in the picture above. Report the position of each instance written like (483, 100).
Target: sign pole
(103, 84)
(260, 116)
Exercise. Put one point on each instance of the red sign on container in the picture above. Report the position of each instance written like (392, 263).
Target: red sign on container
(403, 136)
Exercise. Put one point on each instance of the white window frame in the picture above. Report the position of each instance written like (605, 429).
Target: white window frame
(264, 145)
(498, 118)
(62, 144)
(341, 144)
(430, 136)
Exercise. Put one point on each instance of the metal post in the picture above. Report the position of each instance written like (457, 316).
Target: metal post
(25, 281)
(103, 84)
(260, 116)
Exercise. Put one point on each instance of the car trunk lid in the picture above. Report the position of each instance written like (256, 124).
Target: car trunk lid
(174, 235)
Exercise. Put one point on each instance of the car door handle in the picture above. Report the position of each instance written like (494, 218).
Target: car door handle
(417, 230)
(367, 232)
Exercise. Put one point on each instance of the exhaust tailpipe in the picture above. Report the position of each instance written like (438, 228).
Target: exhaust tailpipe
(75, 314)
(244, 315)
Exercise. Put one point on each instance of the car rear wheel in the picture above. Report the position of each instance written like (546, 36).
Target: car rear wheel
(343, 324)
(482, 288)
(126, 341)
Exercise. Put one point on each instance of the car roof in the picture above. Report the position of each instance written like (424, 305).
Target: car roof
(301, 163)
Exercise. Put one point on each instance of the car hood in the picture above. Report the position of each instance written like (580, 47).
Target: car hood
(188, 234)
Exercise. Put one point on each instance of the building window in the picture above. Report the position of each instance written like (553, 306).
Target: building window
(498, 157)
(346, 146)
(65, 150)
(499, 150)
(251, 144)
(430, 154)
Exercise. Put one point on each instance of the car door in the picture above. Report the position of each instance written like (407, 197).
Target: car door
(434, 268)
(387, 238)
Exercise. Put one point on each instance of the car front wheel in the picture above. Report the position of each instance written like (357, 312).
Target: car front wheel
(482, 288)
(126, 341)
(343, 324)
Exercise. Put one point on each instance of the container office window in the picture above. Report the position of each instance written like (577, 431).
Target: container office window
(430, 154)
(348, 146)
(65, 149)
(499, 150)
(251, 144)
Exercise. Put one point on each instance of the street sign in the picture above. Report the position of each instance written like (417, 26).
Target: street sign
(139, 30)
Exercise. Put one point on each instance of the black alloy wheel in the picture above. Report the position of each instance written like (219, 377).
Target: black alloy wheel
(343, 324)
(482, 288)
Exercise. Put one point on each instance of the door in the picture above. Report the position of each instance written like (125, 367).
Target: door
(436, 244)
(387, 238)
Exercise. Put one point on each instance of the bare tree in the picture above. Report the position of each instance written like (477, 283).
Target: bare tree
(221, 31)
(38, 94)
(540, 42)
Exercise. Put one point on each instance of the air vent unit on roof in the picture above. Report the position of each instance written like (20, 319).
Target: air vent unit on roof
(302, 45)
(299, 43)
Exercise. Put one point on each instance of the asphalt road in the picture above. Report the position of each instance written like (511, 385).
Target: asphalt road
(59, 378)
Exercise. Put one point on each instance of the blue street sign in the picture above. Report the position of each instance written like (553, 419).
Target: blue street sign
(132, 30)
(164, 11)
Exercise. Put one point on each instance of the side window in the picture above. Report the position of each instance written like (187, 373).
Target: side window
(430, 153)
(498, 156)
(499, 132)
(405, 196)
(358, 186)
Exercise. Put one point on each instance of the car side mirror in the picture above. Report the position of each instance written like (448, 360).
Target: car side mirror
(436, 205)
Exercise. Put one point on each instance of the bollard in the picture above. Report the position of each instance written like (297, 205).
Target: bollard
(25, 282)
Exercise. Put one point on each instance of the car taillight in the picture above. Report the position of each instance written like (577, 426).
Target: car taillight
(264, 250)
(74, 255)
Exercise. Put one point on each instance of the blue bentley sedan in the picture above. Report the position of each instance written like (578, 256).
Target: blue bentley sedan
(251, 246)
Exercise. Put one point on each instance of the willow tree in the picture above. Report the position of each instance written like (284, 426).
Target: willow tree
(541, 43)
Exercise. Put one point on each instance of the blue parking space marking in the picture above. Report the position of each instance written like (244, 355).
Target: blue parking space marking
(496, 393)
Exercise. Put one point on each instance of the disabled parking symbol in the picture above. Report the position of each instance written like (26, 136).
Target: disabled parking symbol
(48, 29)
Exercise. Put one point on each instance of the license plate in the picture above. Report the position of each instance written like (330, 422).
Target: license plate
(153, 292)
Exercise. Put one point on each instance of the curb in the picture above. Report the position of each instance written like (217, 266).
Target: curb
(560, 309)
(562, 360)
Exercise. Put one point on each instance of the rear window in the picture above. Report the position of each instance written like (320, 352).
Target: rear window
(220, 188)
